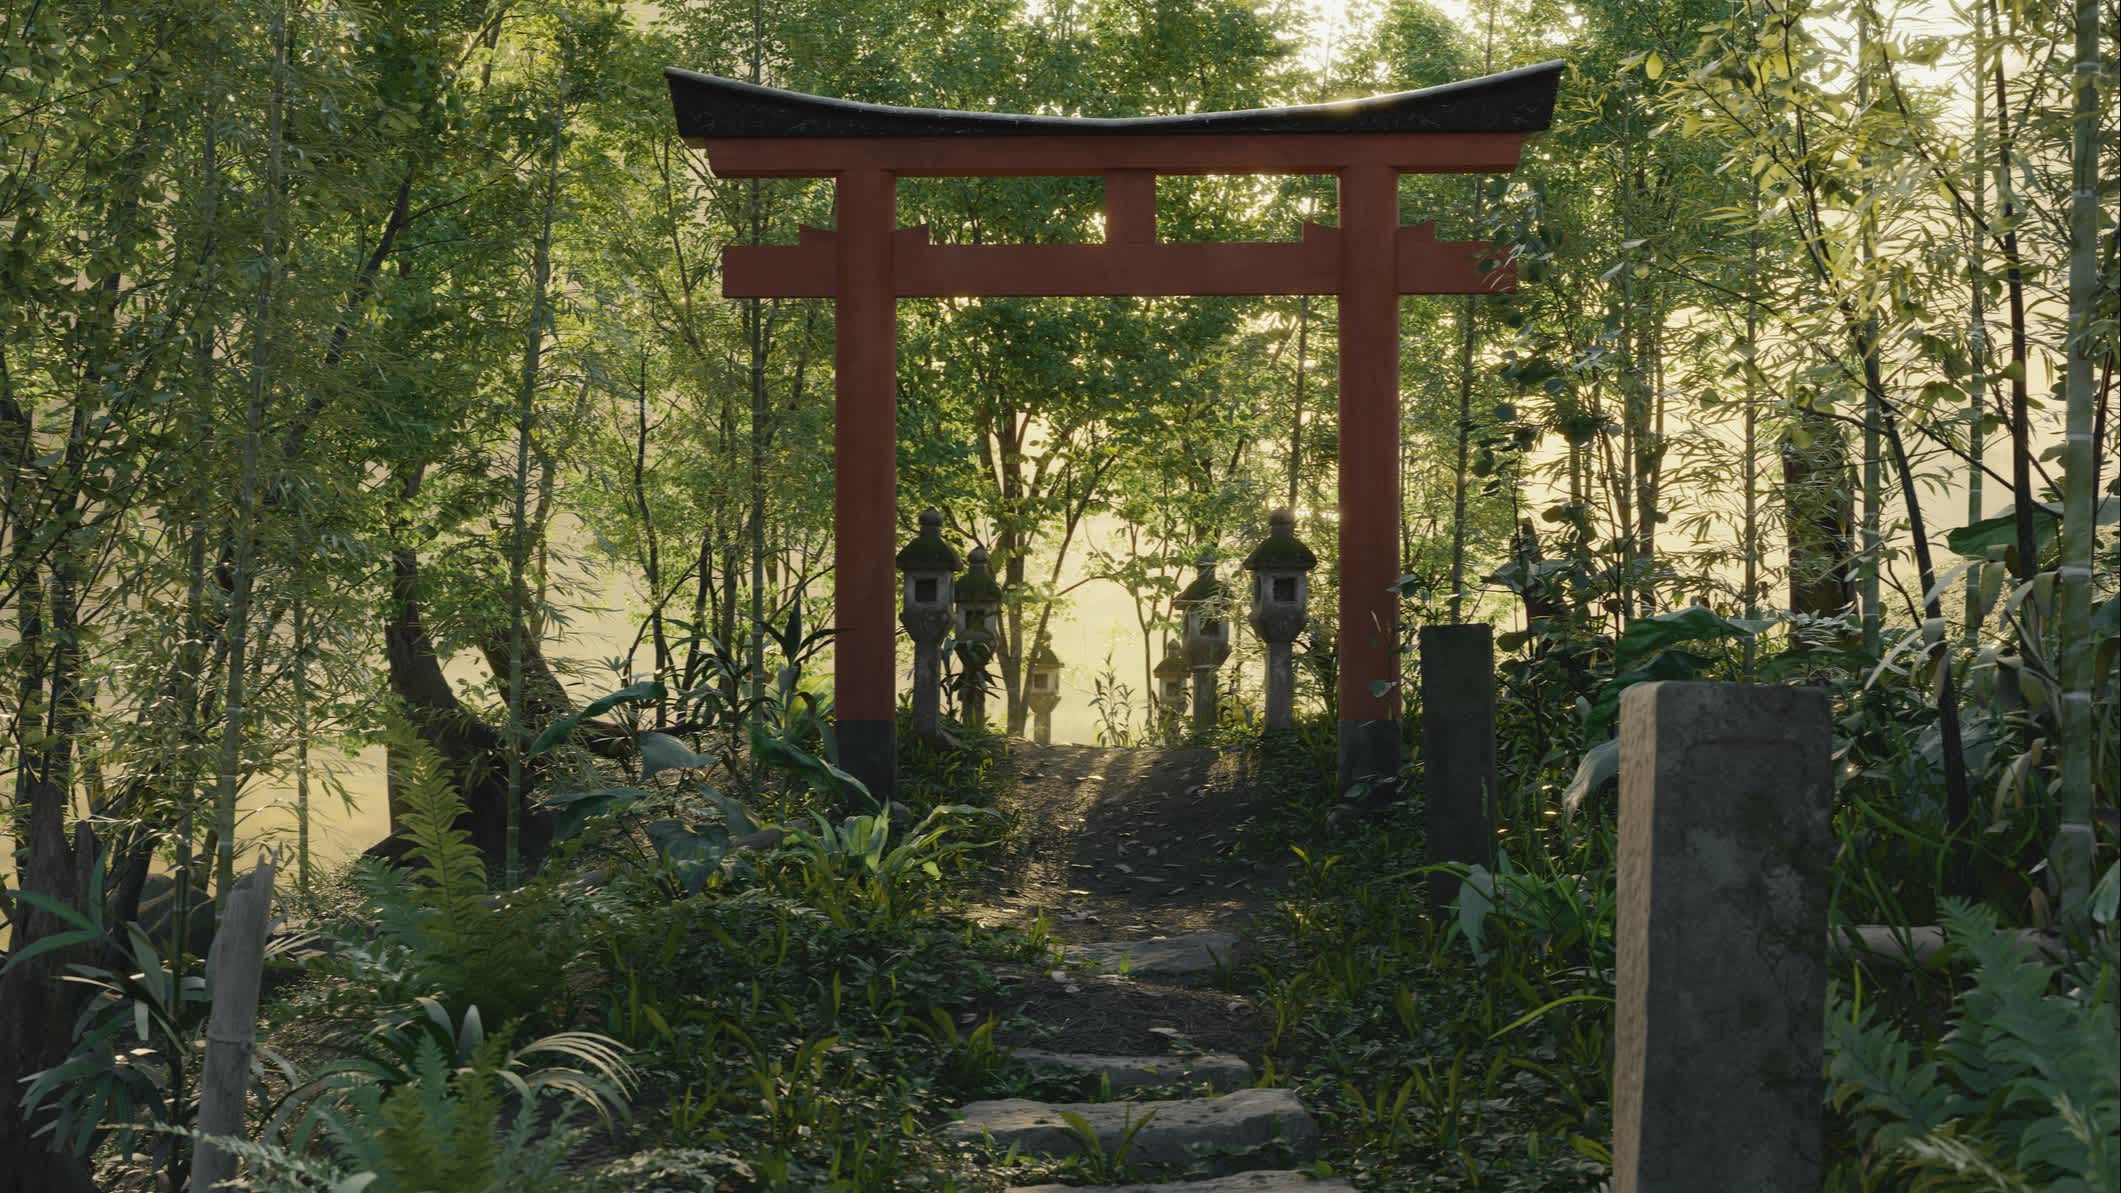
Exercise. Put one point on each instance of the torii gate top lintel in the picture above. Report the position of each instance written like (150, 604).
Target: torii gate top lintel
(1476, 125)
(866, 262)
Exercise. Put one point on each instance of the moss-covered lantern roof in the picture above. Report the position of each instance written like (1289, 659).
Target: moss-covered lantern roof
(977, 584)
(1173, 663)
(1281, 550)
(927, 552)
(1205, 587)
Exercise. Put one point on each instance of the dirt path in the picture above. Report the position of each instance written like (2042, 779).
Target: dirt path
(1132, 856)
(1117, 844)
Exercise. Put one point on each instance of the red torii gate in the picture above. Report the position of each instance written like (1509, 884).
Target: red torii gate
(867, 262)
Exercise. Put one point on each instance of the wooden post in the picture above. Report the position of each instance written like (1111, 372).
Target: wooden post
(1718, 1081)
(234, 966)
(1369, 473)
(1458, 750)
(865, 500)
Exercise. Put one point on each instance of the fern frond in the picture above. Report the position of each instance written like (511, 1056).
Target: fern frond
(429, 825)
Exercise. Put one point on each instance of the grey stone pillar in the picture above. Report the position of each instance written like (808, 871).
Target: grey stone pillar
(1724, 848)
(1458, 750)
(928, 689)
(1204, 698)
(1281, 685)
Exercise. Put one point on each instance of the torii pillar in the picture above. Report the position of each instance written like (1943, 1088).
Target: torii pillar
(866, 263)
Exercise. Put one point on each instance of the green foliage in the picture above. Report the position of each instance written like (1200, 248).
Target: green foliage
(861, 869)
(1430, 1057)
(138, 1046)
(439, 930)
(446, 1127)
(2023, 1091)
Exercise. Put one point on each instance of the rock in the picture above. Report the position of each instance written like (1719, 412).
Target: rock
(1232, 1122)
(1278, 1181)
(1222, 1073)
(1195, 954)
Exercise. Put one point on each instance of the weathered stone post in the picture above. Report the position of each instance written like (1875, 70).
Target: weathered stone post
(1204, 604)
(235, 966)
(930, 568)
(979, 615)
(1281, 597)
(1045, 692)
(1724, 848)
(1458, 750)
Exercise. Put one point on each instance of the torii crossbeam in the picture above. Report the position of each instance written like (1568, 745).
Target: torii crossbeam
(867, 263)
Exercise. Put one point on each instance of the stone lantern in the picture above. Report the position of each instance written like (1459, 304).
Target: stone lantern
(1281, 596)
(1045, 691)
(979, 628)
(1205, 606)
(1171, 679)
(925, 609)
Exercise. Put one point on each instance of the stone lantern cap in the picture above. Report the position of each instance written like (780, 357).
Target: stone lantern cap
(1205, 587)
(1173, 665)
(927, 552)
(977, 587)
(1281, 551)
(1044, 659)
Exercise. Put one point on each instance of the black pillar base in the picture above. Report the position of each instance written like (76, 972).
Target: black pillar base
(869, 752)
(1369, 750)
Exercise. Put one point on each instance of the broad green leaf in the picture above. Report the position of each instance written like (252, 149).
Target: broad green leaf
(661, 752)
(2001, 531)
(641, 693)
(1694, 624)
(1600, 763)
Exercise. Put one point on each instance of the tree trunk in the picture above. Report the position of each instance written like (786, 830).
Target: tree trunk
(2072, 852)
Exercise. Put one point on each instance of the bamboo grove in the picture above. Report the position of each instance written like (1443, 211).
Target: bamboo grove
(340, 344)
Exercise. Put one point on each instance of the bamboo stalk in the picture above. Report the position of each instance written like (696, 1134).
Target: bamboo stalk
(2071, 854)
(234, 966)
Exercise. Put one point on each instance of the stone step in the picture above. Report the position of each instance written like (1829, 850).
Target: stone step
(1193, 955)
(1232, 1122)
(1222, 1073)
(1277, 1181)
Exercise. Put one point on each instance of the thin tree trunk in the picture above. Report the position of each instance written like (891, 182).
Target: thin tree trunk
(2014, 279)
(1977, 329)
(519, 545)
(1873, 476)
(2073, 847)
(235, 704)
(301, 745)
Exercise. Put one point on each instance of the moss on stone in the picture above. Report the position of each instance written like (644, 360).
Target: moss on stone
(927, 553)
(1278, 551)
(977, 585)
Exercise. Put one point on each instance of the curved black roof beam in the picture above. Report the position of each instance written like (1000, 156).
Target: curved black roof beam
(1515, 101)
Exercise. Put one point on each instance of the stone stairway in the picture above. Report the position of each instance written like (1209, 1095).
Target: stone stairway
(1231, 1120)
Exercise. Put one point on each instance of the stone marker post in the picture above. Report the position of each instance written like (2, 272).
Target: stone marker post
(234, 966)
(1458, 750)
(1281, 598)
(1721, 935)
(930, 568)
